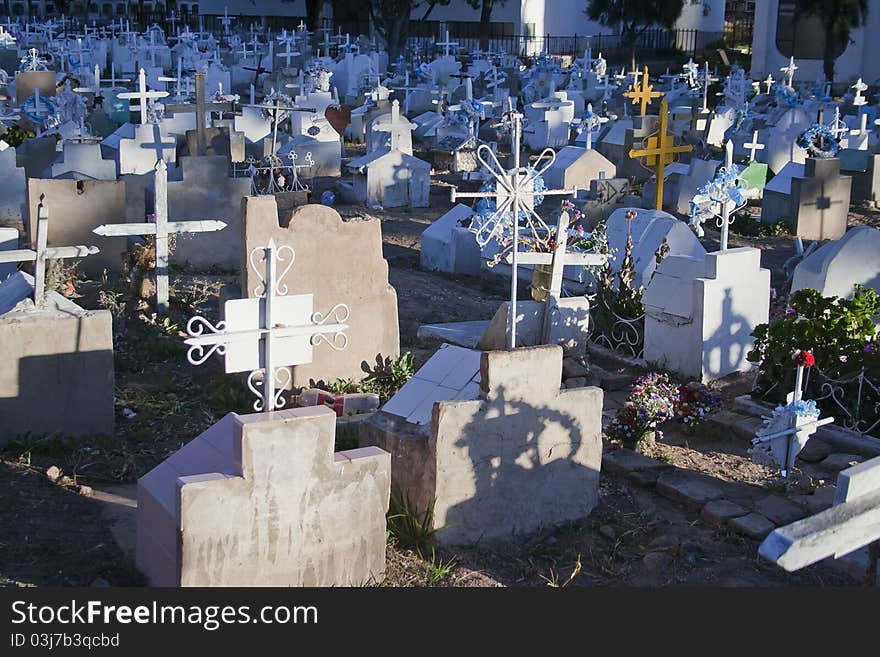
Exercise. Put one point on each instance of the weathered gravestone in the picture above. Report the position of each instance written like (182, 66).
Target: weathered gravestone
(815, 204)
(700, 313)
(238, 506)
(334, 260)
(8, 242)
(36, 155)
(207, 192)
(447, 245)
(490, 442)
(80, 206)
(864, 168)
(650, 230)
(12, 191)
(82, 161)
(389, 178)
(835, 268)
(576, 167)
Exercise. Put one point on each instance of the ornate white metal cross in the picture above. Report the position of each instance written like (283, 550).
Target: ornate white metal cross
(269, 333)
(514, 195)
(160, 230)
(41, 253)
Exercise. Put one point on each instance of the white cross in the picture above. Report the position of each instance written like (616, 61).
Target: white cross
(838, 126)
(753, 146)
(789, 72)
(226, 21)
(859, 99)
(395, 126)
(143, 95)
(160, 230)
(558, 260)
(447, 44)
(514, 202)
(269, 333)
(591, 123)
(852, 522)
(861, 143)
(41, 253)
(769, 82)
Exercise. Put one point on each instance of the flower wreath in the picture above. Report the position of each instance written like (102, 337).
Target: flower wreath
(819, 141)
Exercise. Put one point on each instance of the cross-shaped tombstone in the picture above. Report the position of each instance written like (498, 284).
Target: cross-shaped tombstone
(396, 126)
(659, 151)
(861, 134)
(769, 82)
(514, 194)
(160, 230)
(269, 333)
(789, 72)
(719, 197)
(41, 253)
(753, 146)
(838, 125)
(288, 54)
(407, 89)
(142, 95)
(226, 21)
(852, 522)
(558, 260)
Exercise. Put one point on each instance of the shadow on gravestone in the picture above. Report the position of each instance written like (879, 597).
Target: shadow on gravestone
(338, 262)
(13, 206)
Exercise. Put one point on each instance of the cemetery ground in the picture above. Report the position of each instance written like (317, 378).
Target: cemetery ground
(69, 519)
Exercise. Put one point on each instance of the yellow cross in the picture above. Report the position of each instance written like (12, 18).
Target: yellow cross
(643, 94)
(659, 151)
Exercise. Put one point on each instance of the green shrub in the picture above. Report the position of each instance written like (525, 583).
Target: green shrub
(839, 332)
(388, 376)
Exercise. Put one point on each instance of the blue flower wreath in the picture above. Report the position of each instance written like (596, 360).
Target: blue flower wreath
(785, 95)
(485, 209)
(819, 141)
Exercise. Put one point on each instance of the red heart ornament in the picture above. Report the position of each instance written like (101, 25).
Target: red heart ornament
(338, 117)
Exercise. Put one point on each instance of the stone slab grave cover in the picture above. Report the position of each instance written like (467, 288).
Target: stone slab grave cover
(449, 246)
(82, 161)
(27, 81)
(238, 506)
(205, 191)
(57, 377)
(578, 167)
(700, 313)
(509, 456)
(836, 267)
(334, 260)
(12, 191)
(649, 229)
(80, 206)
(817, 205)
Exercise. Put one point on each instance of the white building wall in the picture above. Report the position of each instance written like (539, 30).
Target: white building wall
(860, 59)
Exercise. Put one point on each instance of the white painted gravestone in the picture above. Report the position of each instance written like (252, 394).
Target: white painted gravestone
(835, 268)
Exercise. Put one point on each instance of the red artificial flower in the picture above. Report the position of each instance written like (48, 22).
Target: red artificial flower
(804, 357)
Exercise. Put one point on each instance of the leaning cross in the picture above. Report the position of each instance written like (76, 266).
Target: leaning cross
(160, 230)
(558, 261)
(643, 93)
(514, 195)
(851, 523)
(143, 95)
(41, 253)
(659, 152)
(201, 108)
(268, 333)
